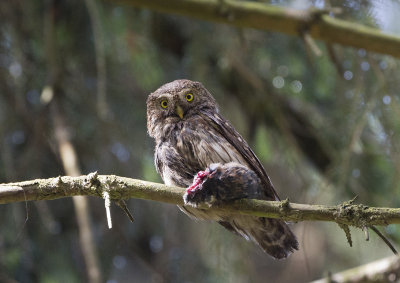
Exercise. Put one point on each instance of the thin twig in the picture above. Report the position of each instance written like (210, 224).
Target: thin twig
(26, 218)
(311, 44)
(346, 230)
(387, 242)
(366, 232)
(124, 207)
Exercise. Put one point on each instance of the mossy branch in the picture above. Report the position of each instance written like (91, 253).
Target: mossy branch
(317, 23)
(120, 188)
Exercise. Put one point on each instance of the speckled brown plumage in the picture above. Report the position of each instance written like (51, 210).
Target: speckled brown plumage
(191, 136)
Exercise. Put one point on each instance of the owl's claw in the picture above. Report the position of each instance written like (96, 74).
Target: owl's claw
(195, 193)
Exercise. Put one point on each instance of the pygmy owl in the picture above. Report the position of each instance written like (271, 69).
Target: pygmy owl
(197, 148)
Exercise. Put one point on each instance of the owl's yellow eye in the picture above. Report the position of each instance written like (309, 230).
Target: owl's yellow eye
(189, 97)
(164, 103)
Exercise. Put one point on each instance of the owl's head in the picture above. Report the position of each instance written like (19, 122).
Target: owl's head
(177, 102)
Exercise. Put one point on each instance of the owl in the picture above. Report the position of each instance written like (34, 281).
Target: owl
(199, 149)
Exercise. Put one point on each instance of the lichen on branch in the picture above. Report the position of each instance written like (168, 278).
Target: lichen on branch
(120, 188)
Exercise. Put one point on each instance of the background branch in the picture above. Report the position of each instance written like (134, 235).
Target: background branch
(357, 215)
(267, 17)
(99, 45)
(65, 148)
(69, 160)
(383, 270)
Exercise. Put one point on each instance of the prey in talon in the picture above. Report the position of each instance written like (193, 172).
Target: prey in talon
(223, 183)
(196, 193)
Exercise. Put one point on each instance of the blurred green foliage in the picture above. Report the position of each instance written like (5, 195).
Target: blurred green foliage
(326, 130)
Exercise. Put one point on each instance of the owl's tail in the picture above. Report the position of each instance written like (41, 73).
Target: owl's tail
(272, 235)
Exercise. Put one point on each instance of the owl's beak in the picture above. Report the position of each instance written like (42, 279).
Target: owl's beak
(179, 111)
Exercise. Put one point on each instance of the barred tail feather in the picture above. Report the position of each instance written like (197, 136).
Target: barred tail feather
(272, 235)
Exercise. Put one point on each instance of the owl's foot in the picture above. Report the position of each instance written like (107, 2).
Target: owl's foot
(195, 193)
(221, 183)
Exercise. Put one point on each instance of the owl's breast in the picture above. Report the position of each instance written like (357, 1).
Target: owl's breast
(189, 147)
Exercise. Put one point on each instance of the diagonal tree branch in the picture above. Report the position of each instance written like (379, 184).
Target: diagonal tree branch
(383, 270)
(317, 23)
(357, 215)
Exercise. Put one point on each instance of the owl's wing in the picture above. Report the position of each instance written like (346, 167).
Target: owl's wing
(225, 128)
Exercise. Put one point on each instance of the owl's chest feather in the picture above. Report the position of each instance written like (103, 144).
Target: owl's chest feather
(201, 144)
(189, 147)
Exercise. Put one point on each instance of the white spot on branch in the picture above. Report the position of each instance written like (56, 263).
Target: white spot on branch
(107, 204)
